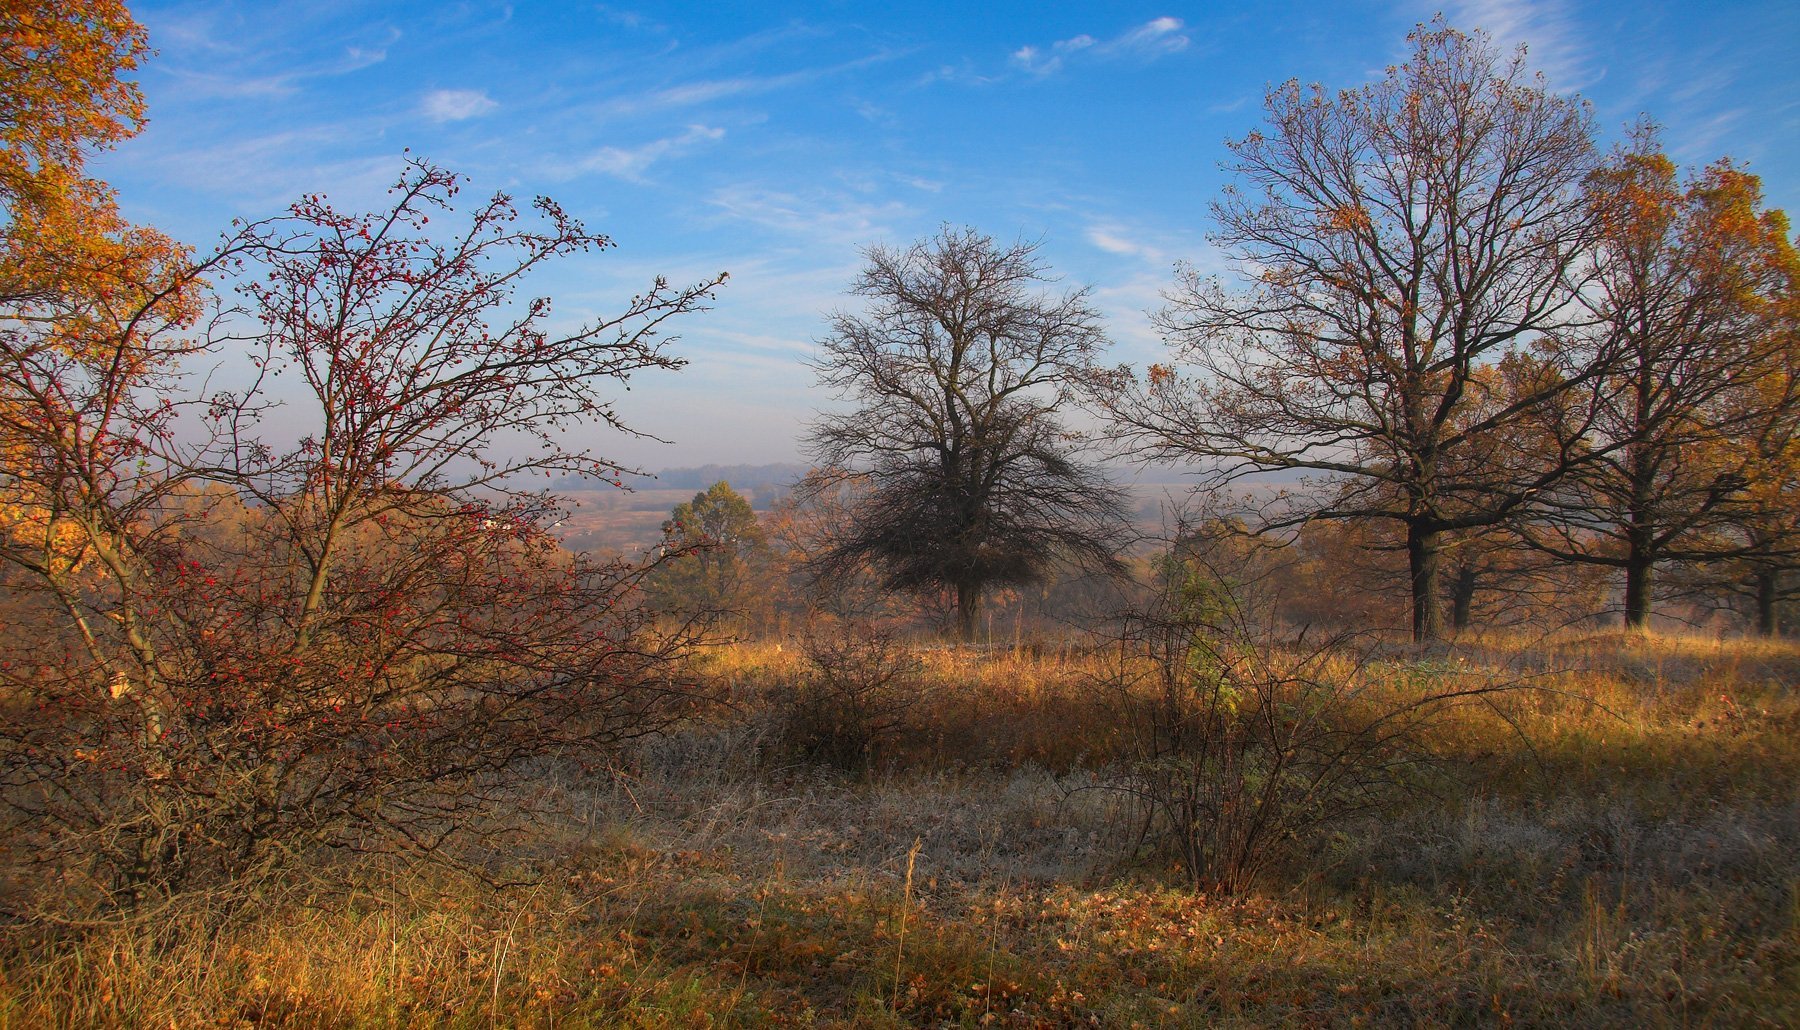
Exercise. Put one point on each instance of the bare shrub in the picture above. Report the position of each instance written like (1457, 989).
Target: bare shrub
(1242, 748)
(853, 698)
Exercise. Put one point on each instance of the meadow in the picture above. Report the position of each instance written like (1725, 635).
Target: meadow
(1611, 839)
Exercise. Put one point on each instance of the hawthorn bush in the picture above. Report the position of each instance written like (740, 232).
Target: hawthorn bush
(239, 641)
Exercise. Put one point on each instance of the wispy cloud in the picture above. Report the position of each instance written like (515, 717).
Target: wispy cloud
(630, 163)
(1556, 43)
(705, 91)
(1127, 304)
(964, 73)
(1049, 61)
(828, 218)
(635, 20)
(1155, 38)
(256, 175)
(921, 183)
(216, 52)
(1704, 136)
(1154, 245)
(244, 85)
(455, 105)
(718, 89)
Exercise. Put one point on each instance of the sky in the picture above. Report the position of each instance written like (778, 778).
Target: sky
(774, 142)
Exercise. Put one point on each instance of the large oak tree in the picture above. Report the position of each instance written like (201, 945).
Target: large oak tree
(1403, 246)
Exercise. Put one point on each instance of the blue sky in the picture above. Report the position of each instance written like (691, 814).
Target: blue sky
(774, 141)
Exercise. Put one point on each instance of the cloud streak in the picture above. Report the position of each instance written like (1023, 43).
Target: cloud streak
(630, 163)
(206, 84)
(829, 219)
(1158, 37)
(1556, 43)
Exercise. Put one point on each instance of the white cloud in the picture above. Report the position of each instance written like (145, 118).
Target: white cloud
(630, 163)
(455, 105)
(718, 89)
(359, 57)
(705, 91)
(1113, 240)
(258, 174)
(232, 76)
(1127, 305)
(635, 20)
(1155, 38)
(1703, 136)
(963, 73)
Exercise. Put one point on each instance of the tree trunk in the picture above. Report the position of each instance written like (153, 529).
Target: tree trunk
(968, 605)
(1462, 597)
(1640, 562)
(1422, 545)
(1767, 623)
(1640, 548)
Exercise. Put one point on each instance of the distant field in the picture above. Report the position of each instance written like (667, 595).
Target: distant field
(608, 520)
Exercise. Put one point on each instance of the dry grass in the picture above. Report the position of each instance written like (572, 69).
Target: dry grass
(1617, 845)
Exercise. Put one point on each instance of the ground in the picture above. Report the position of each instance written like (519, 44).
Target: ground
(1615, 842)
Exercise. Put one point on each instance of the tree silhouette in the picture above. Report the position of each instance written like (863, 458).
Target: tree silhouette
(957, 371)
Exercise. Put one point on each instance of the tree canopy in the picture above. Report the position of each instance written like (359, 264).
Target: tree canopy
(1692, 284)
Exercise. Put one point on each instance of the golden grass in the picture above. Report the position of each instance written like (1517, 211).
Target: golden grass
(1618, 844)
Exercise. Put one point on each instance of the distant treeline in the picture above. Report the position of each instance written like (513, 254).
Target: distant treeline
(742, 477)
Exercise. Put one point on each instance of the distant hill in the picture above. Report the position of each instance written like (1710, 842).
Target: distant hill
(741, 477)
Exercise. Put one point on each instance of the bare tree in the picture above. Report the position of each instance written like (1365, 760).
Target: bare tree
(957, 371)
(1242, 746)
(1405, 243)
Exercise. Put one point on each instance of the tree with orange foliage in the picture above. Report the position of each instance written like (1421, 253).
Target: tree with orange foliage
(1762, 526)
(66, 255)
(1691, 282)
(81, 289)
